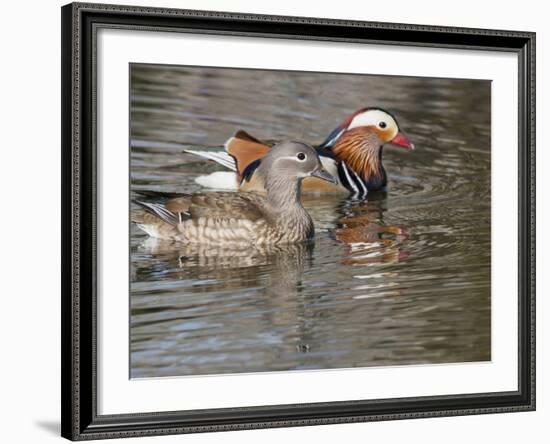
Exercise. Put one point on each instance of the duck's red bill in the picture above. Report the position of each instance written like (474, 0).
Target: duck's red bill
(401, 140)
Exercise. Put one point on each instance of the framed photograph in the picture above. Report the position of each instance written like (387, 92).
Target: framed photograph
(280, 221)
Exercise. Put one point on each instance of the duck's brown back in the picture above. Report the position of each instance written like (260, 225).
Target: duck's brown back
(218, 205)
(220, 218)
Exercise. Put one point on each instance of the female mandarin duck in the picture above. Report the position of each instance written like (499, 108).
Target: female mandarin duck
(352, 152)
(227, 218)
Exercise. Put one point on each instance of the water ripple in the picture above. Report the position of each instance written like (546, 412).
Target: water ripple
(402, 278)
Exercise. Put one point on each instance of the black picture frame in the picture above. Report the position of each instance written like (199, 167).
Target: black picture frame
(78, 333)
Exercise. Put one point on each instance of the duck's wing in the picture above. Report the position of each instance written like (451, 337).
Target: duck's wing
(233, 146)
(155, 214)
(223, 205)
(159, 195)
(156, 220)
(217, 205)
(241, 150)
(220, 157)
(246, 149)
(251, 180)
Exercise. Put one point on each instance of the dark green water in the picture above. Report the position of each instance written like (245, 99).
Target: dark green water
(401, 278)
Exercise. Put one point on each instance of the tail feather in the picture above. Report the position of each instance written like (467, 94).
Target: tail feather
(220, 157)
(160, 211)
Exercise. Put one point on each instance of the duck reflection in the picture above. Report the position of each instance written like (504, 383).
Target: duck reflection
(360, 228)
(231, 267)
(274, 272)
(367, 239)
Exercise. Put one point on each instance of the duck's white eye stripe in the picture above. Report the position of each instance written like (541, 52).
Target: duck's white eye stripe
(372, 117)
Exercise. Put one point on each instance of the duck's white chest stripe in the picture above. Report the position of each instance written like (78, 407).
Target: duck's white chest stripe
(349, 180)
(361, 183)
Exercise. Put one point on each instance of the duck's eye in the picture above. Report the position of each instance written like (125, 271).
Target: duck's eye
(301, 156)
(382, 125)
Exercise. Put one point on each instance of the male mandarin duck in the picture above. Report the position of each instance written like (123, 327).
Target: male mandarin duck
(227, 218)
(352, 153)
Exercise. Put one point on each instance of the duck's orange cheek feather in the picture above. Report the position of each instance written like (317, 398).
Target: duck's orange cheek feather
(385, 135)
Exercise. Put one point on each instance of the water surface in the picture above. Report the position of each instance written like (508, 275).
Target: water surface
(401, 278)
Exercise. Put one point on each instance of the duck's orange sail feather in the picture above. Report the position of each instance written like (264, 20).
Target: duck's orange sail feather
(246, 149)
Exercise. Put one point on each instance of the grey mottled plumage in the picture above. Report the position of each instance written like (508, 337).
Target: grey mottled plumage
(226, 218)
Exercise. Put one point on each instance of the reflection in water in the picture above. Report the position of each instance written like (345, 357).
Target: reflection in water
(368, 241)
(401, 278)
(287, 260)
